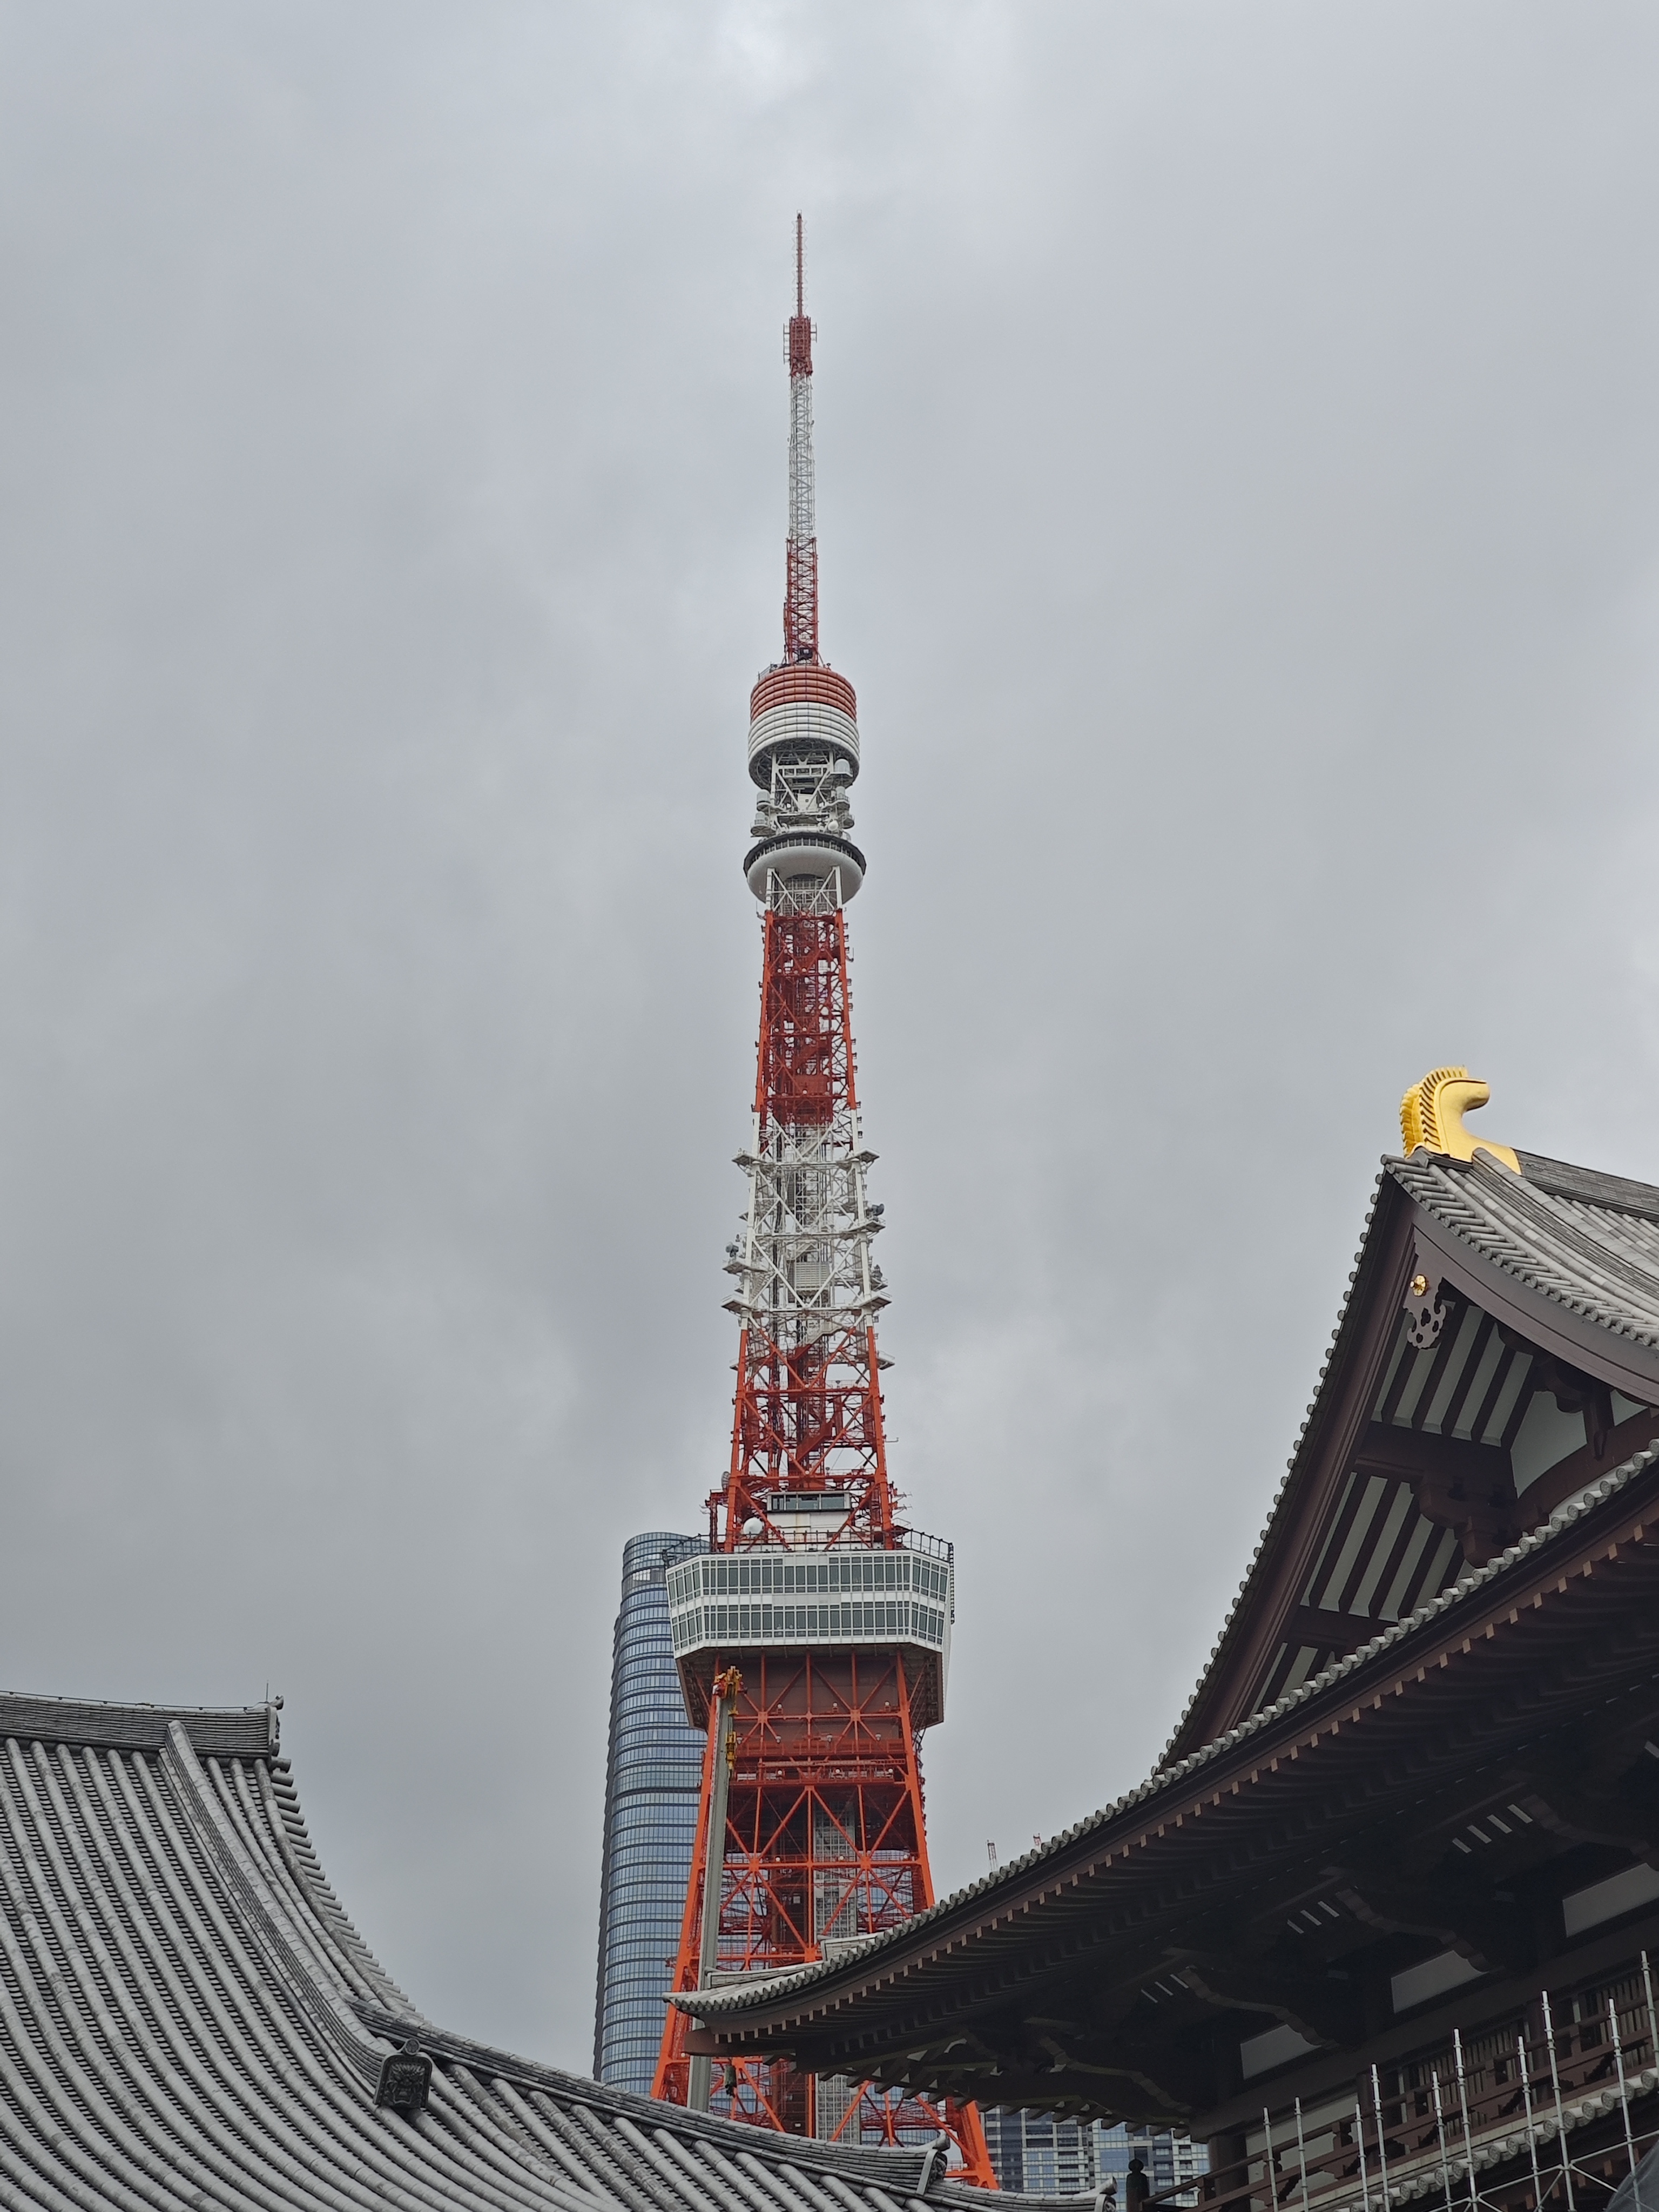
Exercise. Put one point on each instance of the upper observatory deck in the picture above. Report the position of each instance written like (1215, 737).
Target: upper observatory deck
(807, 708)
(804, 756)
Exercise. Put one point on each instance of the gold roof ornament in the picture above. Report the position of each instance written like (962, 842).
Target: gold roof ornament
(1431, 1117)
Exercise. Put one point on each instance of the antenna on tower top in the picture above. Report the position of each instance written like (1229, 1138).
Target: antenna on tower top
(800, 597)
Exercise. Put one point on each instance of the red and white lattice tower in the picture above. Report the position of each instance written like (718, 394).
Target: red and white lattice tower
(813, 1640)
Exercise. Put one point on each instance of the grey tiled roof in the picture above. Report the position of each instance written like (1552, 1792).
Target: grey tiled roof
(188, 2018)
(1587, 1242)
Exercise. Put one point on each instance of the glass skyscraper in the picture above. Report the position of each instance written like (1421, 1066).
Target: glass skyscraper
(652, 1774)
(1049, 2157)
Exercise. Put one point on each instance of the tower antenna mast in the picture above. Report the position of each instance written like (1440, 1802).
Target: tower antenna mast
(800, 581)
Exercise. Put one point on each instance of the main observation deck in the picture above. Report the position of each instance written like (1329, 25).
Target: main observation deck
(817, 1597)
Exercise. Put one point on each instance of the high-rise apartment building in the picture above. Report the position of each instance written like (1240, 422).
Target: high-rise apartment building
(1044, 2156)
(652, 1774)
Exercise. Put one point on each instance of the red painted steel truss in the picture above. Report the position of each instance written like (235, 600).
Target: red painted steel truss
(808, 1413)
(800, 599)
(824, 1837)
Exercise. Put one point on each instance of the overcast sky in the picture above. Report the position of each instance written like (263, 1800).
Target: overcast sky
(1238, 465)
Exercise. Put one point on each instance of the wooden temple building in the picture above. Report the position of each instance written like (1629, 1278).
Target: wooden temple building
(1379, 1927)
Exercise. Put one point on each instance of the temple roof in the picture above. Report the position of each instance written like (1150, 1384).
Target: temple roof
(188, 2018)
(1562, 1254)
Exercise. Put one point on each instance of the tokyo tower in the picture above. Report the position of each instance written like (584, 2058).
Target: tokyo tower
(813, 1639)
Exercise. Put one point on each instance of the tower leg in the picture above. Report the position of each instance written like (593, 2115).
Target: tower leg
(821, 1810)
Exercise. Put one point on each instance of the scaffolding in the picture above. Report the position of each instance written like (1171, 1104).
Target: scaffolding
(1504, 2121)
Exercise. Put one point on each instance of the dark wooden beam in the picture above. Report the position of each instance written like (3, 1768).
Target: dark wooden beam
(1458, 1485)
(1322, 2072)
(1493, 1936)
(1407, 1455)
(1327, 1631)
(1322, 2009)
(1584, 1809)
(1041, 2057)
(1539, 1500)
(1166, 2077)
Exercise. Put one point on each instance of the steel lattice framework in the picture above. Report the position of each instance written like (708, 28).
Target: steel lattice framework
(813, 1638)
(808, 1413)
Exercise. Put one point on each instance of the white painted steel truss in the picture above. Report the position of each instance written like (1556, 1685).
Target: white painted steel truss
(803, 1254)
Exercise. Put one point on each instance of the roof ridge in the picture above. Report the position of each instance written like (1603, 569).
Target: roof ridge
(1592, 1272)
(224, 1731)
(1590, 1186)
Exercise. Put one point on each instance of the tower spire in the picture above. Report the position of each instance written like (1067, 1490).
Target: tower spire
(800, 573)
